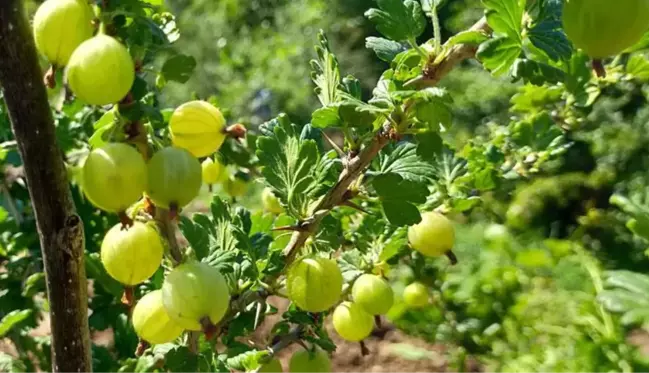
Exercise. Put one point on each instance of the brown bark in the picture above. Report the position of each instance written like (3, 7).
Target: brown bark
(59, 227)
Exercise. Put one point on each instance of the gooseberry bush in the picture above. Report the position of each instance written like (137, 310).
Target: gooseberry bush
(336, 216)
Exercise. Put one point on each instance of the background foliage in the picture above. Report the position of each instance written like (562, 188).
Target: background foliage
(550, 261)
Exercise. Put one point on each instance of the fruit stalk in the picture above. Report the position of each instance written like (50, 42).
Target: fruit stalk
(59, 227)
(434, 72)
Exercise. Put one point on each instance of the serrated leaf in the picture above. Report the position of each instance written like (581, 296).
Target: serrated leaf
(398, 19)
(246, 361)
(326, 117)
(466, 37)
(397, 197)
(498, 55)
(547, 32)
(630, 281)
(385, 49)
(350, 263)
(401, 213)
(12, 319)
(433, 108)
(10, 365)
(325, 72)
(197, 237)
(178, 68)
(638, 67)
(505, 17)
(430, 145)
(536, 73)
(292, 167)
(405, 162)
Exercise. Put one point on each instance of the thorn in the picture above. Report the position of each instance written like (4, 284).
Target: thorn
(340, 152)
(598, 67)
(451, 256)
(355, 206)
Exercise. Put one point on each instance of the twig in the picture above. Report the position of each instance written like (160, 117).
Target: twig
(433, 73)
(168, 231)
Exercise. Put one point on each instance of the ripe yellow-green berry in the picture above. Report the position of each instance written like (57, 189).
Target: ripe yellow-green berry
(308, 361)
(314, 284)
(198, 127)
(433, 236)
(195, 291)
(60, 26)
(132, 255)
(100, 71)
(416, 295)
(373, 293)
(174, 177)
(352, 322)
(270, 202)
(151, 321)
(114, 177)
(235, 187)
(273, 366)
(605, 28)
(213, 172)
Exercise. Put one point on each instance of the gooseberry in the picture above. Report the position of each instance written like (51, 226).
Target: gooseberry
(314, 283)
(416, 295)
(235, 187)
(60, 26)
(603, 28)
(114, 177)
(352, 322)
(270, 202)
(151, 321)
(100, 71)
(373, 293)
(198, 127)
(309, 361)
(174, 177)
(433, 236)
(195, 291)
(131, 255)
(212, 171)
(273, 366)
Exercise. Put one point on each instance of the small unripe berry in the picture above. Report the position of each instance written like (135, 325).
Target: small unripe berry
(131, 255)
(100, 71)
(198, 127)
(114, 177)
(314, 284)
(416, 295)
(352, 322)
(60, 26)
(433, 236)
(151, 321)
(195, 291)
(212, 171)
(270, 202)
(174, 177)
(235, 187)
(307, 361)
(373, 293)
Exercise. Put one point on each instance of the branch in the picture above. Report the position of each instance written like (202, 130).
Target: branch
(434, 72)
(59, 227)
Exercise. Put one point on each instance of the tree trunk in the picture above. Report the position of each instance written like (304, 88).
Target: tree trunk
(59, 227)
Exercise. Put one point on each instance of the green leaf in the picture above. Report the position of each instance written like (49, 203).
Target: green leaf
(547, 31)
(325, 72)
(434, 109)
(638, 67)
(181, 359)
(498, 55)
(198, 238)
(350, 263)
(96, 270)
(12, 319)
(398, 197)
(246, 361)
(466, 37)
(405, 162)
(385, 49)
(326, 116)
(505, 17)
(401, 213)
(430, 145)
(178, 68)
(292, 167)
(398, 19)
(536, 73)
(11, 365)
